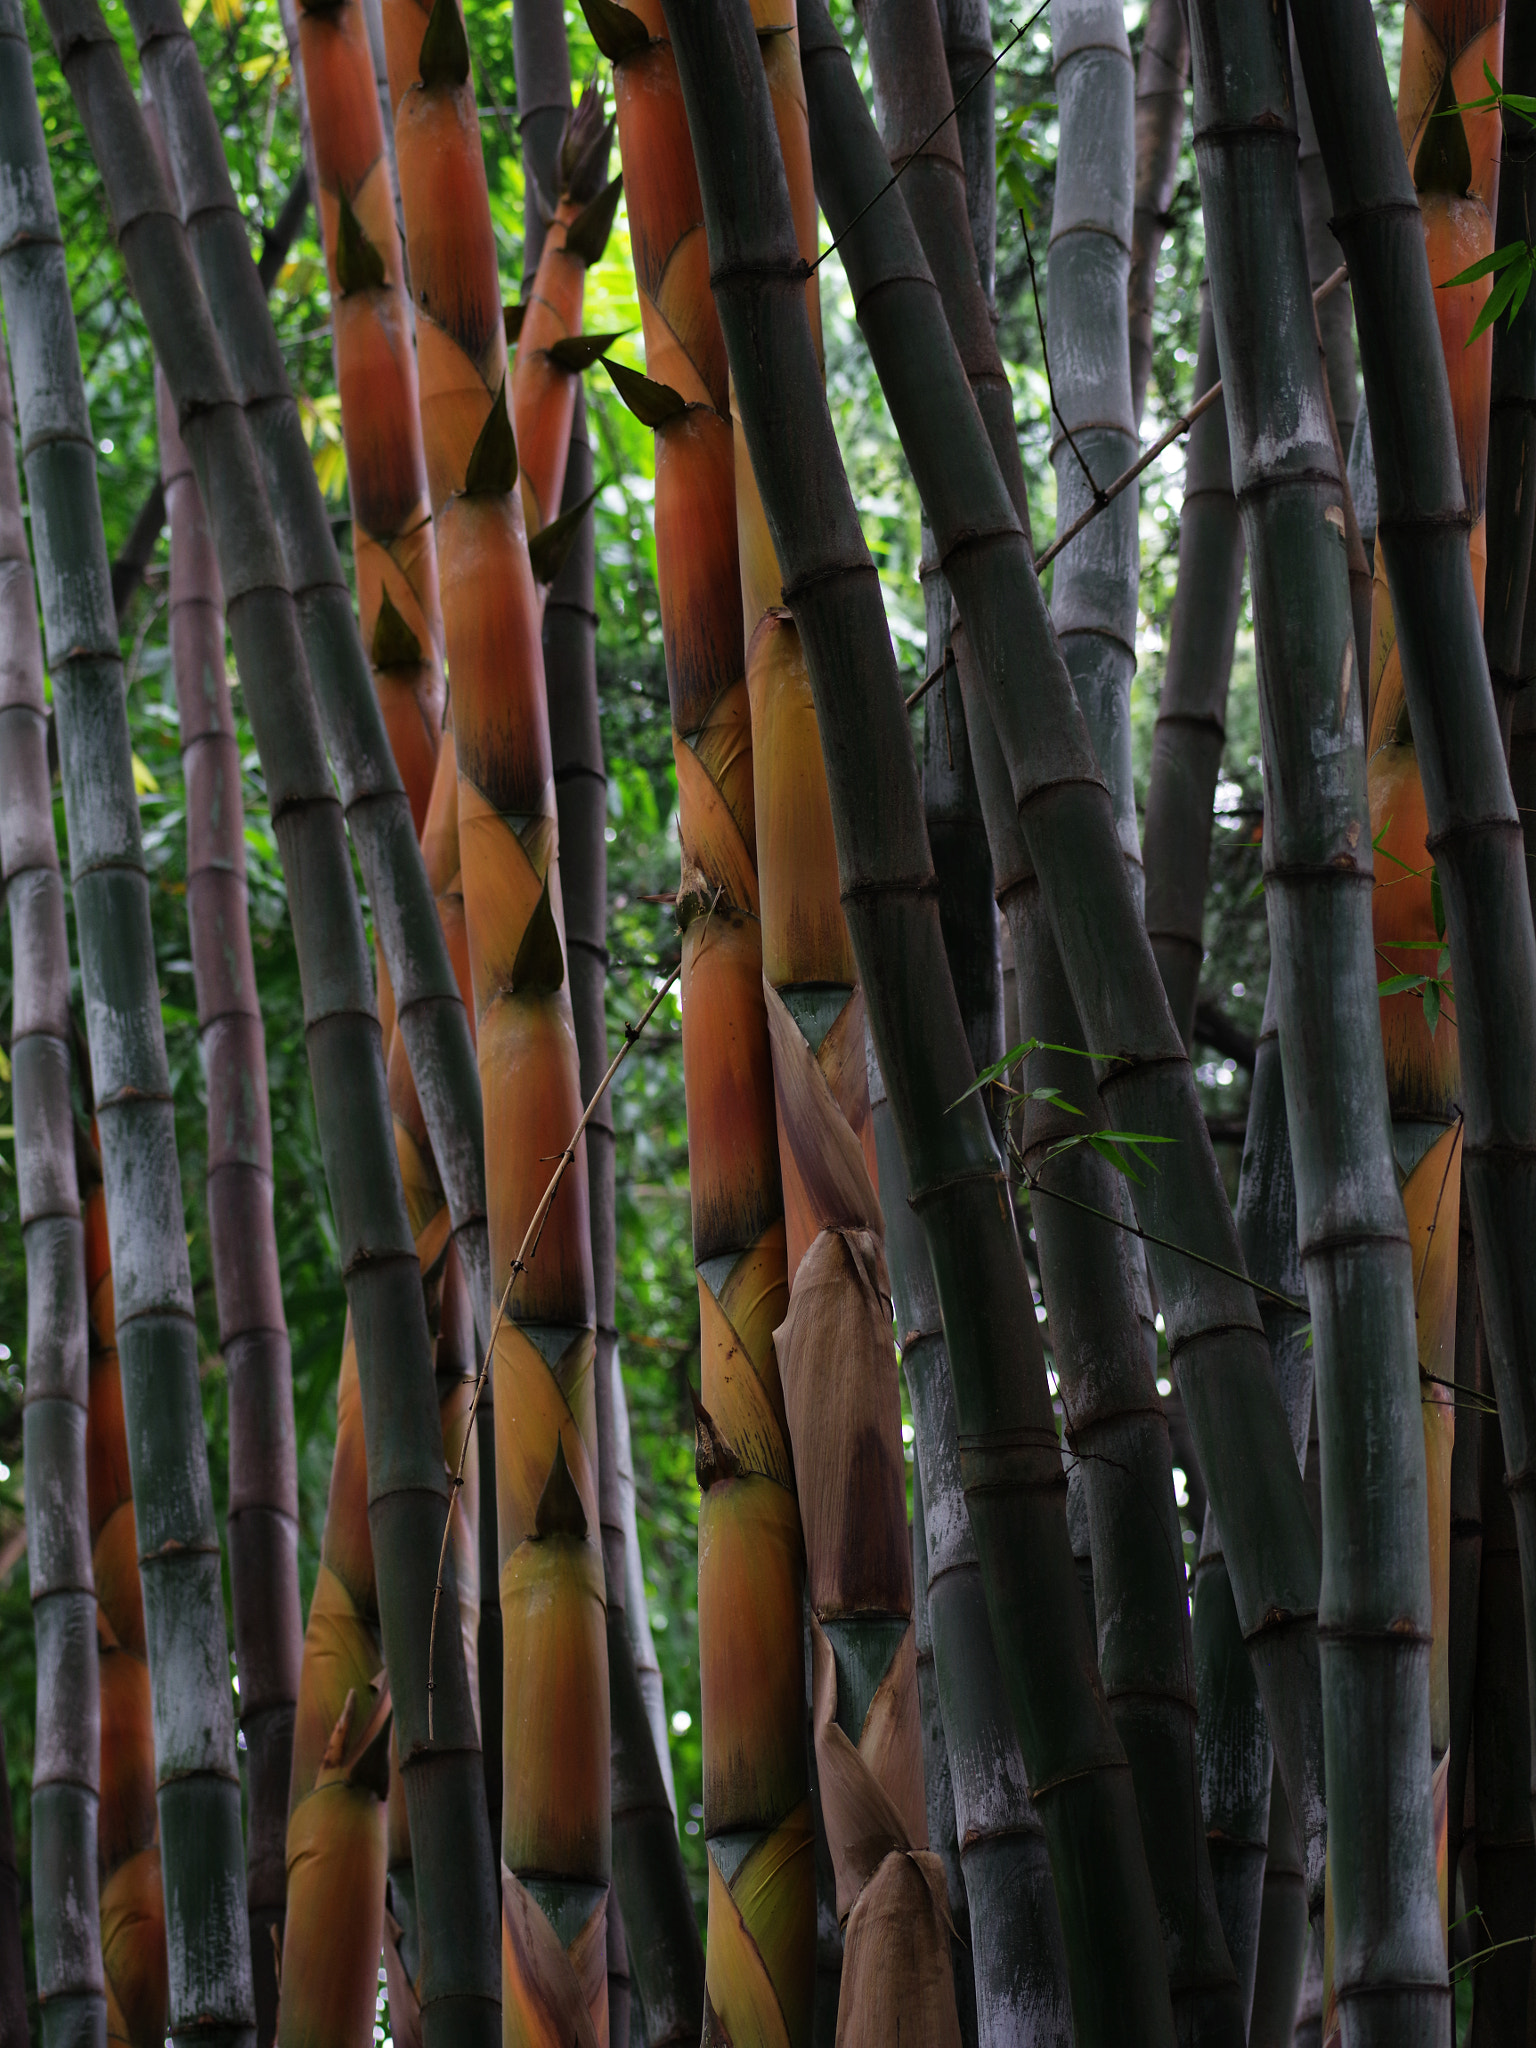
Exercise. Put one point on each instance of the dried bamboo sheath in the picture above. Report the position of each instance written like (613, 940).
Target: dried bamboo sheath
(197, 1787)
(66, 1763)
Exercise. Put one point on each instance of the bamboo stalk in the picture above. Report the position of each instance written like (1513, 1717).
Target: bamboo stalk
(1162, 70)
(1375, 1618)
(1465, 1570)
(1014, 1935)
(1335, 314)
(1191, 728)
(1282, 1933)
(66, 1763)
(1214, 1331)
(197, 1785)
(408, 1488)
(1076, 1765)
(428, 1006)
(1473, 825)
(968, 58)
(1512, 411)
(253, 1331)
(13, 1968)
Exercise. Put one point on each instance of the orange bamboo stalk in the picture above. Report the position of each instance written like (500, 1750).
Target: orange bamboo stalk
(133, 1950)
(1454, 158)
(555, 1828)
(760, 1963)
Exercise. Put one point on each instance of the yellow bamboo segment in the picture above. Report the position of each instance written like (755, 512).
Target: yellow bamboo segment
(128, 1829)
(760, 1958)
(556, 1822)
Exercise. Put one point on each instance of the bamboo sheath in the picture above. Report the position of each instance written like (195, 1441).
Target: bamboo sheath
(1355, 1241)
(1191, 729)
(253, 1331)
(1014, 1937)
(428, 1005)
(408, 1487)
(149, 1299)
(652, 1900)
(555, 1836)
(1162, 70)
(66, 1760)
(1075, 1763)
(1215, 1335)
(761, 1949)
(1242, 1813)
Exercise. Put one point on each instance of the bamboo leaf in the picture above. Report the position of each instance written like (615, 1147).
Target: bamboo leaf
(577, 352)
(617, 32)
(359, 266)
(587, 235)
(1497, 259)
(552, 544)
(1436, 903)
(559, 1512)
(493, 461)
(1401, 984)
(394, 644)
(1431, 1005)
(445, 47)
(539, 968)
(652, 404)
(1499, 298)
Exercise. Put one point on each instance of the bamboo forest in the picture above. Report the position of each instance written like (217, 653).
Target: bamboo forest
(755, 759)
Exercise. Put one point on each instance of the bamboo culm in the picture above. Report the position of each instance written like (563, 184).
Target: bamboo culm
(1191, 729)
(13, 1965)
(1214, 1331)
(429, 1008)
(1474, 828)
(66, 1760)
(1012, 1464)
(1162, 71)
(1016, 1959)
(197, 1777)
(408, 1486)
(1512, 411)
(253, 1331)
(1389, 1958)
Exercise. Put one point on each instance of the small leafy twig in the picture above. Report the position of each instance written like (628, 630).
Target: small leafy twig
(520, 1264)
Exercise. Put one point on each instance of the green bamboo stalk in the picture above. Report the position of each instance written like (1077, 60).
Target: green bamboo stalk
(1506, 1854)
(66, 1762)
(1389, 1958)
(1116, 1430)
(1474, 827)
(1012, 1469)
(1215, 1335)
(1235, 1750)
(1512, 410)
(1014, 1929)
(1191, 728)
(938, 1780)
(197, 1777)
(408, 1486)
(1093, 426)
(253, 1331)
(1162, 71)
(1282, 1952)
(428, 1006)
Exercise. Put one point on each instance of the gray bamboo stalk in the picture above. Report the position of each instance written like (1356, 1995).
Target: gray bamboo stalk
(1506, 1854)
(1162, 71)
(197, 1778)
(1283, 1933)
(13, 1962)
(1512, 412)
(1191, 726)
(1235, 1750)
(1336, 315)
(408, 1485)
(966, 26)
(1215, 1336)
(1011, 1464)
(1014, 1934)
(428, 1006)
(1093, 430)
(1474, 827)
(253, 1331)
(1389, 1956)
(1466, 1558)
(1116, 1430)
(938, 1781)
(66, 1757)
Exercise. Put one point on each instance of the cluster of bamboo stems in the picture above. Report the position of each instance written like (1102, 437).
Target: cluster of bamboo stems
(1014, 1773)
